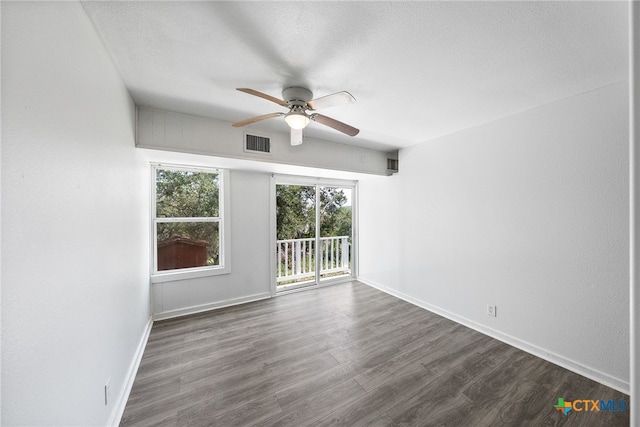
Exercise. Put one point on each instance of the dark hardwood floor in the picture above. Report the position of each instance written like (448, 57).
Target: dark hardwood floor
(347, 355)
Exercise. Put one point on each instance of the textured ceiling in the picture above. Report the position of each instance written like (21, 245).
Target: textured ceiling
(418, 70)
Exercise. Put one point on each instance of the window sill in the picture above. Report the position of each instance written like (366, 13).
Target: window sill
(188, 273)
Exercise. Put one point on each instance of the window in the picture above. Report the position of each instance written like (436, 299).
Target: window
(188, 221)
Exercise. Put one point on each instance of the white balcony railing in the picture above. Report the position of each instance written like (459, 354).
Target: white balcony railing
(296, 257)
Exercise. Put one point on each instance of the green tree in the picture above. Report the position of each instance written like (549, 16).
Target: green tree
(342, 224)
(331, 203)
(188, 194)
(295, 212)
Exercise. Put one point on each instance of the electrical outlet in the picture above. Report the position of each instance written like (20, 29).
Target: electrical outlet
(491, 310)
(107, 391)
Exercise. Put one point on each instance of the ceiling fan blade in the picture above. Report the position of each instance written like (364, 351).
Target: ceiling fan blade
(333, 123)
(256, 119)
(263, 95)
(296, 136)
(338, 98)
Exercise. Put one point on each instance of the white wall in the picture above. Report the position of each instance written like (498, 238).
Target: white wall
(634, 220)
(529, 213)
(75, 227)
(380, 249)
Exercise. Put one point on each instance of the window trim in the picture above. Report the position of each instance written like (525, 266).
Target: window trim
(223, 219)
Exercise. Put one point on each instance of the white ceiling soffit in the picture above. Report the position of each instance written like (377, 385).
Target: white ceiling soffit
(418, 70)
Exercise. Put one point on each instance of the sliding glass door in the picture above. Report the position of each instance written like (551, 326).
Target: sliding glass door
(313, 233)
(336, 227)
(295, 235)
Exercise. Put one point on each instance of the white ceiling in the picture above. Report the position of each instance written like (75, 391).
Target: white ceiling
(418, 70)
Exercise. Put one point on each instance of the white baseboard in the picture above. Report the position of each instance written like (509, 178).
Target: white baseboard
(210, 306)
(123, 395)
(571, 365)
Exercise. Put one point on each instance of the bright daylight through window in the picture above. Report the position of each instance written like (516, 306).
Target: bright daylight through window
(187, 218)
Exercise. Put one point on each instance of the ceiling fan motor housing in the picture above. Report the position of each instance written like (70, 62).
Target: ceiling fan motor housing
(297, 95)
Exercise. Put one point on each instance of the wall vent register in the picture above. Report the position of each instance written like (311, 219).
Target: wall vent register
(257, 144)
(392, 165)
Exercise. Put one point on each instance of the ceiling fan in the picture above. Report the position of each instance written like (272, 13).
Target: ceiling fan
(302, 109)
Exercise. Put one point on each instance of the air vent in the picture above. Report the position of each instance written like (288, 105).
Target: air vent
(392, 165)
(257, 144)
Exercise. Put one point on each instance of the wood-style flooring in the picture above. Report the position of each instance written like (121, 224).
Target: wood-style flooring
(347, 355)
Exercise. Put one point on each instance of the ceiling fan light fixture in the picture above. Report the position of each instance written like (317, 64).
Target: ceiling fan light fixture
(302, 110)
(296, 119)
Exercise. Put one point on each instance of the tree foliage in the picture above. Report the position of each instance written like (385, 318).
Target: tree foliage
(188, 194)
(296, 209)
(181, 194)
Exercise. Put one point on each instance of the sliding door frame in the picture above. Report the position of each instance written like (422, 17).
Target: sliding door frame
(317, 183)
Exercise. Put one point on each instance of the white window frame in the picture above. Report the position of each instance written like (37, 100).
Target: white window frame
(224, 266)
